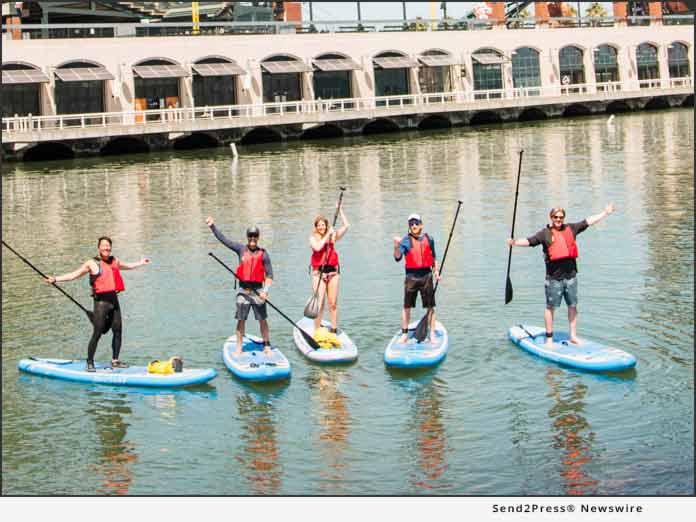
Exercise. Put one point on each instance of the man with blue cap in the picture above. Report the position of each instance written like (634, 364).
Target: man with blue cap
(418, 249)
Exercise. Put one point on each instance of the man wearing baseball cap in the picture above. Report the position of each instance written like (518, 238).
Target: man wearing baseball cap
(254, 273)
(560, 252)
(418, 249)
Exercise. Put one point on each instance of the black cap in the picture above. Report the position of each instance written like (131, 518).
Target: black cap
(253, 231)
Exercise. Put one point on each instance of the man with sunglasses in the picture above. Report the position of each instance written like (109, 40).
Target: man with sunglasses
(419, 250)
(255, 274)
(560, 252)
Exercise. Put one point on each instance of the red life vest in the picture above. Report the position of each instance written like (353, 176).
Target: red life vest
(563, 244)
(419, 255)
(250, 269)
(108, 279)
(319, 257)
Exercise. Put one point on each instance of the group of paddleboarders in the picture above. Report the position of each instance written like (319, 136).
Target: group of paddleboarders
(417, 248)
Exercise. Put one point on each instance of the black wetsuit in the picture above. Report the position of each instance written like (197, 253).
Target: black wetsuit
(107, 314)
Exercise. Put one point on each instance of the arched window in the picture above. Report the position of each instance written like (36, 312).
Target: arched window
(525, 68)
(572, 69)
(157, 84)
(606, 65)
(333, 76)
(678, 57)
(79, 88)
(392, 75)
(488, 73)
(647, 63)
(20, 89)
(435, 71)
(214, 82)
(282, 79)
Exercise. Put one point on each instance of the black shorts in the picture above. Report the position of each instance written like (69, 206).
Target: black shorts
(424, 285)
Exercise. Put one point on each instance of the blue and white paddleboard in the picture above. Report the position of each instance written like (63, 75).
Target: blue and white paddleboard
(253, 364)
(347, 352)
(588, 355)
(413, 354)
(76, 371)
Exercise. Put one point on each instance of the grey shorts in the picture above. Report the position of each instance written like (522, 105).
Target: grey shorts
(556, 290)
(245, 302)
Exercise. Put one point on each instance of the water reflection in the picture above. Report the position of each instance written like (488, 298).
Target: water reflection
(427, 430)
(259, 452)
(116, 453)
(334, 420)
(572, 432)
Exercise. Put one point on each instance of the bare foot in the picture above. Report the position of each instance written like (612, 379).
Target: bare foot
(433, 340)
(402, 339)
(237, 353)
(575, 340)
(549, 343)
(267, 350)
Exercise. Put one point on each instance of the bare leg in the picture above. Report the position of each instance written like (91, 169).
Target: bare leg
(433, 337)
(548, 323)
(332, 295)
(573, 323)
(405, 319)
(263, 324)
(321, 292)
(240, 335)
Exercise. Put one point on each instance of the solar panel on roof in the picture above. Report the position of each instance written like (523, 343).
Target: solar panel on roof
(437, 60)
(285, 67)
(160, 71)
(218, 69)
(24, 76)
(395, 62)
(342, 64)
(83, 74)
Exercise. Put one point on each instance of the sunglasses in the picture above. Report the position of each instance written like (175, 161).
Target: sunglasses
(558, 217)
(252, 236)
(414, 222)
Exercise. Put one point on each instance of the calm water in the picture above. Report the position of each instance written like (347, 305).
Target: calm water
(489, 420)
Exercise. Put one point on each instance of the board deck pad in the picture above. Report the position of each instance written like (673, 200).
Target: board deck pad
(588, 355)
(253, 364)
(348, 351)
(413, 354)
(76, 371)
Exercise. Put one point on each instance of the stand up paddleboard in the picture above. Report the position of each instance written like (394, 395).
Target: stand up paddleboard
(76, 371)
(413, 354)
(347, 352)
(588, 355)
(253, 364)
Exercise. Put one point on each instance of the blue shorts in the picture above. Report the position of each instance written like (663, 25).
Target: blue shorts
(556, 290)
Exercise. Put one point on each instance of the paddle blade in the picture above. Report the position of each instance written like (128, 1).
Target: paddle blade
(508, 291)
(310, 340)
(422, 328)
(311, 309)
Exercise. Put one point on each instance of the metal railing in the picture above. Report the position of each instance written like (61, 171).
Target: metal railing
(106, 30)
(164, 120)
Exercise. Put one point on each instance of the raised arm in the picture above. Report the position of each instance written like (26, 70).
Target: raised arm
(609, 209)
(341, 231)
(86, 267)
(232, 245)
(517, 242)
(318, 243)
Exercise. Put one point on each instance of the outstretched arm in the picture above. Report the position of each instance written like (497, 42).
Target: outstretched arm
(517, 242)
(84, 269)
(609, 209)
(131, 266)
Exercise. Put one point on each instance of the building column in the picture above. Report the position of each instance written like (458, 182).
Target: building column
(590, 75)
(663, 61)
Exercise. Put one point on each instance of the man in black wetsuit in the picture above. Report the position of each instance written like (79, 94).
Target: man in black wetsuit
(255, 273)
(106, 282)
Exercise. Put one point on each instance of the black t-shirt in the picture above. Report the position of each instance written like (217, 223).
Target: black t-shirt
(563, 268)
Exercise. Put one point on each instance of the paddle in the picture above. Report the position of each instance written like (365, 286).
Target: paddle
(89, 314)
(306, 336)
(422, 327)
(508, 283)
(311, 309)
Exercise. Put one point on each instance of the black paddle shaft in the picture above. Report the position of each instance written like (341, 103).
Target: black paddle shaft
(508, 283)
(307, 337)
(89, 314)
